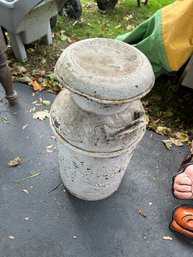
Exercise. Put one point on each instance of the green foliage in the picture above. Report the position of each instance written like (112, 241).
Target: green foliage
(168, 104)
(95, 23)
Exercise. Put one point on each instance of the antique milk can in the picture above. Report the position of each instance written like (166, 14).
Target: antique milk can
(98, 119)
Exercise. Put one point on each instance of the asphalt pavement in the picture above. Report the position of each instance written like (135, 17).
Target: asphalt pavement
(39, 218)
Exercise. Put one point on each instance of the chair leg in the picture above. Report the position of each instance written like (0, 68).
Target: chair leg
(18, 46)
(47, 39)
(6, 80)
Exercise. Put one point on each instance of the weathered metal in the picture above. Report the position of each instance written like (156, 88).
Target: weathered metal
(98, 120)
(5, 74)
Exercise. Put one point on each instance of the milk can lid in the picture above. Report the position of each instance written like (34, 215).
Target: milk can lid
(105, 70)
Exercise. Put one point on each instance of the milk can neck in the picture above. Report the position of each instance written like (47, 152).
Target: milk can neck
(92, 106)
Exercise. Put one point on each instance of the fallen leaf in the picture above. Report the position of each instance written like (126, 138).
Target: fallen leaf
(168, 143)
(49, 146)
(12, 237)
(25, 126)
(25, 79)
(167, 238)
(147, 119)
(5, 120)
(50, 149)
(72, 39)
(63, 37)
(32, 109)
(128, 17)
(176, 142)
(30, 50)
(130, 27)
(18, 70)
(163, 130)
(46, 102)
(29, 177)
(184, 138)
(41, 115)
(141, 212)
(25, 191)
(36, 86)
(15, 162)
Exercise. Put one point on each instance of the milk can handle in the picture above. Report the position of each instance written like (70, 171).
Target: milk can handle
(132, 126)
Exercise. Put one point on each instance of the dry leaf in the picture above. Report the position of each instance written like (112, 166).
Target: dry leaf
(130, 27)
(167, 238)
(72, 39)
(36, 86)
(25, 79)
(5, 120)
(50, 148)
(63, 37)
(12, 237)
(15, 162)
(32, 109)
(25, 126)
(41, 115)
(46, 102)
(184, 138)
(168, 143)
(141, 212)
(25, 191)
(128, 17)
(176, 142)
(163, 130)
(18, 70)
(147, 119)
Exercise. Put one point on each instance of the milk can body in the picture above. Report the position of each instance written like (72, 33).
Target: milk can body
(98, 120)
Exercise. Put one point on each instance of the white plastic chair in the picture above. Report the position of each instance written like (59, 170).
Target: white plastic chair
(26, 21)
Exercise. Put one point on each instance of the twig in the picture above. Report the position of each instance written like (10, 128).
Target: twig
(32, 176)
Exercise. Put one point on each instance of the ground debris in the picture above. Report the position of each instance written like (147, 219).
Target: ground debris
(15, 162)
(29, 177)
(142, 213)
(167, 238)
(41, 115)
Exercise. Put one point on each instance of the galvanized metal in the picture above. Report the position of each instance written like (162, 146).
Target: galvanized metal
(98, 119)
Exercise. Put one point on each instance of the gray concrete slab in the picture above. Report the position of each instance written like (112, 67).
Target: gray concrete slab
(46, 224)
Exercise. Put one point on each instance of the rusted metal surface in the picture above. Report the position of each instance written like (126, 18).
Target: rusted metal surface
(5, 74)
